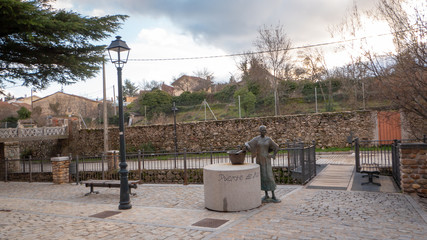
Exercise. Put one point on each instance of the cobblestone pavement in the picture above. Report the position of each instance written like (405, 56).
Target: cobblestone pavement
(48, 211)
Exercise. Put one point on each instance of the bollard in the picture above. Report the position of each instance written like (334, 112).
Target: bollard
(60, 169)
(185, 167)
(113, 160)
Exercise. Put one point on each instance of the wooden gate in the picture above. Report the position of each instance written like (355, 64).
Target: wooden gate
(389, 127)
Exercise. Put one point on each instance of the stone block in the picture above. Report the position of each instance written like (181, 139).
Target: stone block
(415, 176)
(408, 180)
(409, 162)
(415, 186)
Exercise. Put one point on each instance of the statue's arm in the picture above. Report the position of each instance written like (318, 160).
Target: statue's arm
(275, 148)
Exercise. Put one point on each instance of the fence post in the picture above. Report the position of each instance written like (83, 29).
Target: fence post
(314, 157)
(30, 165)
(41, 162)
(143, 160)
(77, 170)
(139, 165)
(357, 153)
(102, 165)
(6, 163)
(185, 167)
(211, 156)
(23, 164)
(302, 162)
(114, 159)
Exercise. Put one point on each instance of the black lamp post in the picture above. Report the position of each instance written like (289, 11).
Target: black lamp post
(114, 50)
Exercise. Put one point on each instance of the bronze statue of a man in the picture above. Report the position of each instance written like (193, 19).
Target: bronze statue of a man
(261, 147)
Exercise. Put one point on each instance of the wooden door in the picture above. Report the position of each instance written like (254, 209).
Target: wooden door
(389, 126)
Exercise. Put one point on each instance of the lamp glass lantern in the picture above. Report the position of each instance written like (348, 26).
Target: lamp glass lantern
(115, 50)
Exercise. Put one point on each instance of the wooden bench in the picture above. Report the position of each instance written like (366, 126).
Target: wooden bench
(372, 170)
(109, 184)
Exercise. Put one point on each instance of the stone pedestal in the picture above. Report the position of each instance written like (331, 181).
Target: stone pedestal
(60, 169)
(231, 188)
(113, 160)
(12, 153)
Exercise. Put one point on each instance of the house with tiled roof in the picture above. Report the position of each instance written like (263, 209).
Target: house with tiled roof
(191, 84)
(63, 104)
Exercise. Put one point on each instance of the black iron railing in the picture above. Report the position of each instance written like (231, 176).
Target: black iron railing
(296, 159)
(384, 153)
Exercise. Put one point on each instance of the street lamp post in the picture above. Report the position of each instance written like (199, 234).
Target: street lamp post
(117, 47)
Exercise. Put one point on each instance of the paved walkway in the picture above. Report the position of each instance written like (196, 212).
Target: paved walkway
(48, 211)
(337, 177)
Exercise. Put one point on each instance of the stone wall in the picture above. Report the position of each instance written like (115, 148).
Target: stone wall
(327, 129)
(413, 159)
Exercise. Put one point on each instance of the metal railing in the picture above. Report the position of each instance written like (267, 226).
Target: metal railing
(298, 159)
(395, 156)
(384, 153)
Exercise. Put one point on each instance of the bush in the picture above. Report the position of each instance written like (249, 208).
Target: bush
(10, 122)
(157, 101)
(247, 100)
(187, 98)
(23, 113)
(226, 94)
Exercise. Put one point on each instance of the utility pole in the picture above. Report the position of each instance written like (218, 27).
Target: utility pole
(240, 112)
(363, 96)
(104, 102)
(204, 103)
(145, 114)
(315, 96)
(114, 101)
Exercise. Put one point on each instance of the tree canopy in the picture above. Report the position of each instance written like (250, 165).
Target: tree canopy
(40, 45)
(130, 89)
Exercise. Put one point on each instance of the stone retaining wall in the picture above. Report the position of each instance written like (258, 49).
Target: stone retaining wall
(413, 159)
(327, 129)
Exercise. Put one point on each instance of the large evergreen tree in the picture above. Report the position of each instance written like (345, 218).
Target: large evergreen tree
(40, 45)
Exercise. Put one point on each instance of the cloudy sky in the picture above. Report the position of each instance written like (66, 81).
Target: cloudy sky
(158, 29)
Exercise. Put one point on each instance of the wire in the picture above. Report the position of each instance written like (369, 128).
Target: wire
(263, 52)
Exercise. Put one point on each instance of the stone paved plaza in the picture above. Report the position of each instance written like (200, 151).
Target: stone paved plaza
(48, 211)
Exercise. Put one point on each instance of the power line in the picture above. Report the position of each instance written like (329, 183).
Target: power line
(263, 52)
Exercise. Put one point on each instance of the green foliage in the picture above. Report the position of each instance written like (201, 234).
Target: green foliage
(254, 87)
(226, 94)
(114, 120)
(23, 113)
(40, 45)
(130, 89)
(187, 98)
(157, 101)
(308, 88)
(247, 100)
(12, 122)
(144, 147)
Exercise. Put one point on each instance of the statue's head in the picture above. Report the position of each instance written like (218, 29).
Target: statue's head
(263, 130)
